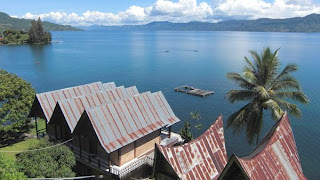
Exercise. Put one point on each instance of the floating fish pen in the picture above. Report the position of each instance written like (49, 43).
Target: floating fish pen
(194, 91)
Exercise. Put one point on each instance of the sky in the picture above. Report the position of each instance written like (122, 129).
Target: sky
(122, 12)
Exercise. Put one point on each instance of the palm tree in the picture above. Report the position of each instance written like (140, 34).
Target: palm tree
(264, 88)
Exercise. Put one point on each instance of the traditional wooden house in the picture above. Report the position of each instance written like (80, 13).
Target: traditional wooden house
(275, 157)
(203, 158)
(118, 137)
(68, 111)
(113, 129)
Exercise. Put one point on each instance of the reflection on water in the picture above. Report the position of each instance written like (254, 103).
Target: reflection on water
(139, 58)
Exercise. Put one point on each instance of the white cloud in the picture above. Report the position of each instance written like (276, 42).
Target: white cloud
(254, 9)
(161, 10)
(181, 11)
(186, 11)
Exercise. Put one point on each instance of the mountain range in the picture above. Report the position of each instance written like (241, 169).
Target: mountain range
(310, 23)
(7, 22)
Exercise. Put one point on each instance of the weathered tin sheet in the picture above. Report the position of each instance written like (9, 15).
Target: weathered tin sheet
(72, 109)
(164, 105)
(203, 158)
(122, 122)
(109, 85)
(276, 156)
(48, 100)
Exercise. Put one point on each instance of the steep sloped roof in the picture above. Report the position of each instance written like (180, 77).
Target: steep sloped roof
(203, 158)
(276, 156)
(73, 108)
(122, 122)
(48, 100)
(164, 105)
(109, 85)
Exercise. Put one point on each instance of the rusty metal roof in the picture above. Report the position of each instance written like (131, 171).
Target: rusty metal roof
(122, 122)
(48, 100)
(73, 108)
(276, 156)
(164, 105)
(109, 85)
(203, 158)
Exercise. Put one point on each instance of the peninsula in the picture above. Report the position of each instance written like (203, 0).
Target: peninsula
(22, 31)
(35, 35)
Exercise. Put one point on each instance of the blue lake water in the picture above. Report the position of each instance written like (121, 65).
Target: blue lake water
(139, 58)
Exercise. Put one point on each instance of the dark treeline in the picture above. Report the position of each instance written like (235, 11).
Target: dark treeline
(37, 33)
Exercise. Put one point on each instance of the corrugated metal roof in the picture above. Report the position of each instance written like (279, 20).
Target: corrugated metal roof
(276, 156)
(109, 85)
(164, 105)
(48, 100)
(132, 91)
(203, 158)
(122, 122)
(72, 109)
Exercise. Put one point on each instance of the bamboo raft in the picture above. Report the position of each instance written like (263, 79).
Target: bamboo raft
(194, 91)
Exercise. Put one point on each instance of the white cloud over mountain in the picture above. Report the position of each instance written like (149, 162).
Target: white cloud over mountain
(186, 11)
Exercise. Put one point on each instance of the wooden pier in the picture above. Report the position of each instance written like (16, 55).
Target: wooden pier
(194, 91)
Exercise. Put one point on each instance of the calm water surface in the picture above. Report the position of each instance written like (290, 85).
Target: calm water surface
(139, 58)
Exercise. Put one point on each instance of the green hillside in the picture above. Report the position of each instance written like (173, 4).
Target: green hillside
(310, 23)
(7, 22)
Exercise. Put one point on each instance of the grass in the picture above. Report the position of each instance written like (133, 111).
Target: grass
(24, 145)
(41, 125)
(20, 146)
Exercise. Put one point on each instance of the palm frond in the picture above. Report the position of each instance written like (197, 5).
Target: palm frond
(287, 70)
(249, 75)
(240, 80)
(240, 95)
(273, 66)
(292, 108)
(276, 111)
(263, 93)
(270, 66)
(254, 123)
(251, 65)
(287, 82)
(238, 118)
(257, 59)
(275, 54)
(297, 96)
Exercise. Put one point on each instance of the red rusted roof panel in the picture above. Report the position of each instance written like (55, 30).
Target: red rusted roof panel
(48, 100)
(276, 156)
(73, 108)
(122, 122)
(203, 158)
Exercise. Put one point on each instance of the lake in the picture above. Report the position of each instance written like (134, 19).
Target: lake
(139, 58)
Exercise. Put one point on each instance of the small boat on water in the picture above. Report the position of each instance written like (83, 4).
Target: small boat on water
(194, 91)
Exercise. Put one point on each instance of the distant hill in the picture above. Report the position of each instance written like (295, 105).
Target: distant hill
(310, 23)
(7, 22)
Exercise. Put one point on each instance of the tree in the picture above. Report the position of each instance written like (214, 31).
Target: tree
(16, 98)
(265, 89)
(37, 33)
(53, 162)
(185, 131)
(40, 30)
(33, 35)
(8, 170)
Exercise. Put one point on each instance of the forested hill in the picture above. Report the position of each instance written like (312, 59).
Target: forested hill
(7, 22)
(310, 23)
